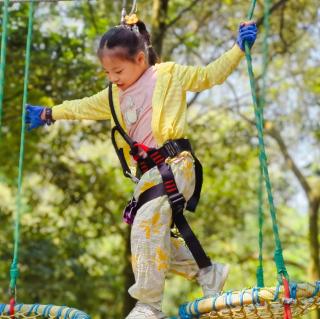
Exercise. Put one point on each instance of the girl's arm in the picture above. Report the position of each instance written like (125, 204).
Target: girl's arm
(201, 78)
(198, 78)
(95, 107)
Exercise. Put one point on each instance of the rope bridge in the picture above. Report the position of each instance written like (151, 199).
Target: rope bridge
(255, 303)
(37, 311)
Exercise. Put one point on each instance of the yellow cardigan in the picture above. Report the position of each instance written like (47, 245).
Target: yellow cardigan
(168, 100)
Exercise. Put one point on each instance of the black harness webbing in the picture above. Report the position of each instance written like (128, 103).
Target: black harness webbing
(156, 157)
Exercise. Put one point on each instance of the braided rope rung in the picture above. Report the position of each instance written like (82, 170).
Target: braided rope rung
(255, 303)
(23, 311)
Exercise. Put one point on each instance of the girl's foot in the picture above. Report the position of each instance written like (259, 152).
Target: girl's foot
(212, 278)
(145, 311)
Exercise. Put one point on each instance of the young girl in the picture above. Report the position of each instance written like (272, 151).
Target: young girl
(147, 104)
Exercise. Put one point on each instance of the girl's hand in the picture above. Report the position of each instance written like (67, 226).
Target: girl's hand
(247, 33)
(33, 116)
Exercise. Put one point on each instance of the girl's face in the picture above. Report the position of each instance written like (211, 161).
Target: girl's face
(121, 71)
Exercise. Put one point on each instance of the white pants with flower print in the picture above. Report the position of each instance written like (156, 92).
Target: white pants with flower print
(154, 251)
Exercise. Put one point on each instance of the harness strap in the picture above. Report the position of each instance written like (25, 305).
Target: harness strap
(157, 157)
(177, 203)
(171, 149)
(150, 194)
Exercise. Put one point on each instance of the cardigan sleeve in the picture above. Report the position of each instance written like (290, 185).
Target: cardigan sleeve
(198, 78)
(95, 107)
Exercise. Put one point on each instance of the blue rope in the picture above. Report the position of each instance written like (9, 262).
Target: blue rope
(255, 295)
(46, 310)
(66, 316)
(183, 312)
(36, 308)
(214, 302)
(60, 312)
(228, 299)
(77, 314)
(30, 310)
(2, 307)
(276, 293)
(242, 292)
(317, 289)
(19, 306)
(196, 307)
(293, 290)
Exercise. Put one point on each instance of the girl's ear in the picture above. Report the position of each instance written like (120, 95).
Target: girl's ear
(141, 58)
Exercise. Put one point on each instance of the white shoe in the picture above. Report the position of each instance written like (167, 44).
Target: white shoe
(212, 278)
(145, 311)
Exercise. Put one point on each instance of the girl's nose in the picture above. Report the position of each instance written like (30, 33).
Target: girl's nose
(113, 79)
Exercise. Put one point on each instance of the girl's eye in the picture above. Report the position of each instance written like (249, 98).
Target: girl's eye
(118, 72)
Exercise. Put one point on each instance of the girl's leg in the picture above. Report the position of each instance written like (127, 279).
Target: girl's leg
(211, 278)
(150, 236)
(150, 248)
(182, 261)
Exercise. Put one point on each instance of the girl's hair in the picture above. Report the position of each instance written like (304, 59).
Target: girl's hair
(131, 39)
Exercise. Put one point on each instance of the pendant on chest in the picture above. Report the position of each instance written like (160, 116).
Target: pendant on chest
(131, 113)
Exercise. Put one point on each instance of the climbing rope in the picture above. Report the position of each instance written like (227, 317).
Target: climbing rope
(262, 99)
(4, 37)
(278, 256)
(287, 299)
(14, 269)
(23, 311)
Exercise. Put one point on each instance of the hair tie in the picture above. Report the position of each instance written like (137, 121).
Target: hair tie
(131, 19)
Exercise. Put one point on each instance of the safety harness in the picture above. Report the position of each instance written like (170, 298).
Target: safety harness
(156, 157)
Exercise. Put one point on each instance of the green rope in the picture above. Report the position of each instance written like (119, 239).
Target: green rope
(259, 273)
(3, 54)
(262, 102)
(14, 271)
(278, 256)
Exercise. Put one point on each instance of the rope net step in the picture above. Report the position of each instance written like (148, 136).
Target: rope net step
(41, 311)
(256, 303)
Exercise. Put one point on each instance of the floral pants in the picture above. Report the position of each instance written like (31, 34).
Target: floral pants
(154, 251)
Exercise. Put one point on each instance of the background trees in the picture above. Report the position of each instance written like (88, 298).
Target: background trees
(74, 247)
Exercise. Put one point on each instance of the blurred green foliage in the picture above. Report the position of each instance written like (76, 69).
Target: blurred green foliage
(73, 243)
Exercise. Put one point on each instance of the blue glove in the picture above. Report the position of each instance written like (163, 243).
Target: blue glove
(33, 116)
(247, 33)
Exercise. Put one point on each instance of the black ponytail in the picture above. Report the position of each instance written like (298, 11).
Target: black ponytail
(152, 55)
(130, 38)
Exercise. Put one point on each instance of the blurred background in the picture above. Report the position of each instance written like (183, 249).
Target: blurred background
(74, 246)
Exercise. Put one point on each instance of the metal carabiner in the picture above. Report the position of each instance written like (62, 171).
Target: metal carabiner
(133, 178)
(124, 11)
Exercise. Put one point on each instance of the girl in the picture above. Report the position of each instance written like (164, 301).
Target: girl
(147, 104)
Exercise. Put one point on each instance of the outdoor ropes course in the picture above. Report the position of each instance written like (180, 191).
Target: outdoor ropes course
(288, 299)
